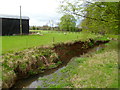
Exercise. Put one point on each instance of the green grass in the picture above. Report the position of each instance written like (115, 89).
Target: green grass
(17, 43)
(0, 76)
(92, 70)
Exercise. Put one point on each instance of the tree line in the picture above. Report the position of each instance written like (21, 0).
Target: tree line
(67, 23)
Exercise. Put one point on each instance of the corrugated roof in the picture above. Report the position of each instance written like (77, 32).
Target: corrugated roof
(13, 16)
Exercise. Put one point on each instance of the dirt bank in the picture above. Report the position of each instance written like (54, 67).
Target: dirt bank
(66, 51)
(39, 59)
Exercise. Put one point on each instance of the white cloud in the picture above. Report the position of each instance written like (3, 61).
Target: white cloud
(39, 11)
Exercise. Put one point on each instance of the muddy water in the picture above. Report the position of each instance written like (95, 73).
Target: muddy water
(34, 82)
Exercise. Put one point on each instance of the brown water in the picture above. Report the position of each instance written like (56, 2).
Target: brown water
(34, 82)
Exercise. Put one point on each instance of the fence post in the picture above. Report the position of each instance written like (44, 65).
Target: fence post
(53, 40)
(26, 42)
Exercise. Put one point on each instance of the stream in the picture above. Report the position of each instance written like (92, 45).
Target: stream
(34, 81)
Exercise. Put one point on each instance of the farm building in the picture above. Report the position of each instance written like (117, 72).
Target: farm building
(10, 25)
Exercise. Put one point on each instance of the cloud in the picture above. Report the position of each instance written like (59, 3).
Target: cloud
(39, 11)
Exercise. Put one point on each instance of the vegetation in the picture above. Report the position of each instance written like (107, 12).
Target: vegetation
(106, 18)
(96, 69)
(44, 27)
(68, 23)
(99, 17)
(28, 62)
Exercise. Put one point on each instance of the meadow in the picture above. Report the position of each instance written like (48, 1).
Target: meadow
(17, 43)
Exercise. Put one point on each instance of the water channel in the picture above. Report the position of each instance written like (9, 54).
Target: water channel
(34, 81)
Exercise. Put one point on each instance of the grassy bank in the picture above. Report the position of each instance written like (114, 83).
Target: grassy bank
(28, 62)
(97, 69)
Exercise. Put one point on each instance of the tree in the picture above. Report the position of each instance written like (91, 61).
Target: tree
(107, 16)
(68, 23)
(99, 17)
(33, 28)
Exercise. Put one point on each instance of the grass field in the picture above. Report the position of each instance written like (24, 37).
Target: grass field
(17, 43)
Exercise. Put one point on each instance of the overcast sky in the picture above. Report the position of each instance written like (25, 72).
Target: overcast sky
(39, 11)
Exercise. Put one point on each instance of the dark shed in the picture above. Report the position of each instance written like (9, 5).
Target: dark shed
(10, 25)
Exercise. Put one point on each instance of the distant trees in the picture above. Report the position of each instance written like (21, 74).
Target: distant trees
(44, 27)
(67, 23)
(32, 27)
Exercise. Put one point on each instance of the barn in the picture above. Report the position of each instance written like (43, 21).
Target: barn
(10, 25)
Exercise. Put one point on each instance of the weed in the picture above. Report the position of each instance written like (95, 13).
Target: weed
(32, 72)
(90, 44)
(81, 60)
(23, 66)
(59, 62)
(52, 66)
